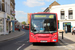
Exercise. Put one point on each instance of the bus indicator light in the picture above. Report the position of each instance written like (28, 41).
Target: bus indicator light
(55, 33)
(54, 40)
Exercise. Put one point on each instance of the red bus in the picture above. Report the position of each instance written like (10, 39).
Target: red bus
(27, 27)
(43, 27)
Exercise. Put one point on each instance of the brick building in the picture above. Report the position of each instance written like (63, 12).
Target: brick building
(28, 16)
(52, 4)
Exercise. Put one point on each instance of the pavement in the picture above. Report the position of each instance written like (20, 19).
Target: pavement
(68, 39)
(11, 35)
(16, 44)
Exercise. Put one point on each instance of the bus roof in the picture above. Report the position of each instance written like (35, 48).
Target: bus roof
(43, 13)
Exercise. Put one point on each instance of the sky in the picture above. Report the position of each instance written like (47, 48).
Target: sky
(22, 7)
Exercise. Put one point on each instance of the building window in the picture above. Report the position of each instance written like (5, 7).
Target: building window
(1, 24)
(62, 15)
(3, 7)
(70, 14)
(6, 7)
(0, 6)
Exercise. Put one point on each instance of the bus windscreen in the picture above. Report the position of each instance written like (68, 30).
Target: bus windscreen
(43, 23)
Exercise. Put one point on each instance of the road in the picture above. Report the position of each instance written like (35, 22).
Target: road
(22, 43)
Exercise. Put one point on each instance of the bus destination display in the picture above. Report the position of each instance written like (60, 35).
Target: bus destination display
(43, 16)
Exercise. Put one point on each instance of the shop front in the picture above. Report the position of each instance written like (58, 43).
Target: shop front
(8, 24)
(1, 25)
(12, 25)
(67, 25)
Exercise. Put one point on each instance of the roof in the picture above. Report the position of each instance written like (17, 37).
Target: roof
(52, 4)
(68, 5)
(46, 9)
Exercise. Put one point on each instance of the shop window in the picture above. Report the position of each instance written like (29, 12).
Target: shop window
(62, 15)
(70, 14)
(1, 24)
(3, 7)
(0, 6)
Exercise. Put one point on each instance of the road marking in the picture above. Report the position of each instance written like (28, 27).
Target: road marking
(66, 47)
(20, 47)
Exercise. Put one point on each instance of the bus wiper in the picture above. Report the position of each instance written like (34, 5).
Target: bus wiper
(52, 31)
(36, 32)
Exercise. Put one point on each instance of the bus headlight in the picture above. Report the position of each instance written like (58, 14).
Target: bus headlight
(32, 36)
(54, 40)
(55, 36)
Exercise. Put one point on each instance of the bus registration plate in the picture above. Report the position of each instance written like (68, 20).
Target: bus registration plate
(43, 41)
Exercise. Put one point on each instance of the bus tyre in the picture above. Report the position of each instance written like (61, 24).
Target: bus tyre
(34, 43)
(53, 43)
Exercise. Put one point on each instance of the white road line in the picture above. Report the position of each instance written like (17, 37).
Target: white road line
(67, 47)
(20, 47)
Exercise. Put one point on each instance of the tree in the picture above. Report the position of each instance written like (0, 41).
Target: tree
(24, 22)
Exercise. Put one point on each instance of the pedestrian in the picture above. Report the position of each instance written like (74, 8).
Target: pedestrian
(73, 30)
(65, 28)
(18, 28)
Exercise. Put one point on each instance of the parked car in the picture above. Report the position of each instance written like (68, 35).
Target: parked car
(27, 27)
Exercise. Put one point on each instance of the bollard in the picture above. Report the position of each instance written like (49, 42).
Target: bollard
(62, 34)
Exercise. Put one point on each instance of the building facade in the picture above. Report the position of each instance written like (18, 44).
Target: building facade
(28, 16)
(7, 16)
(65, 14)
